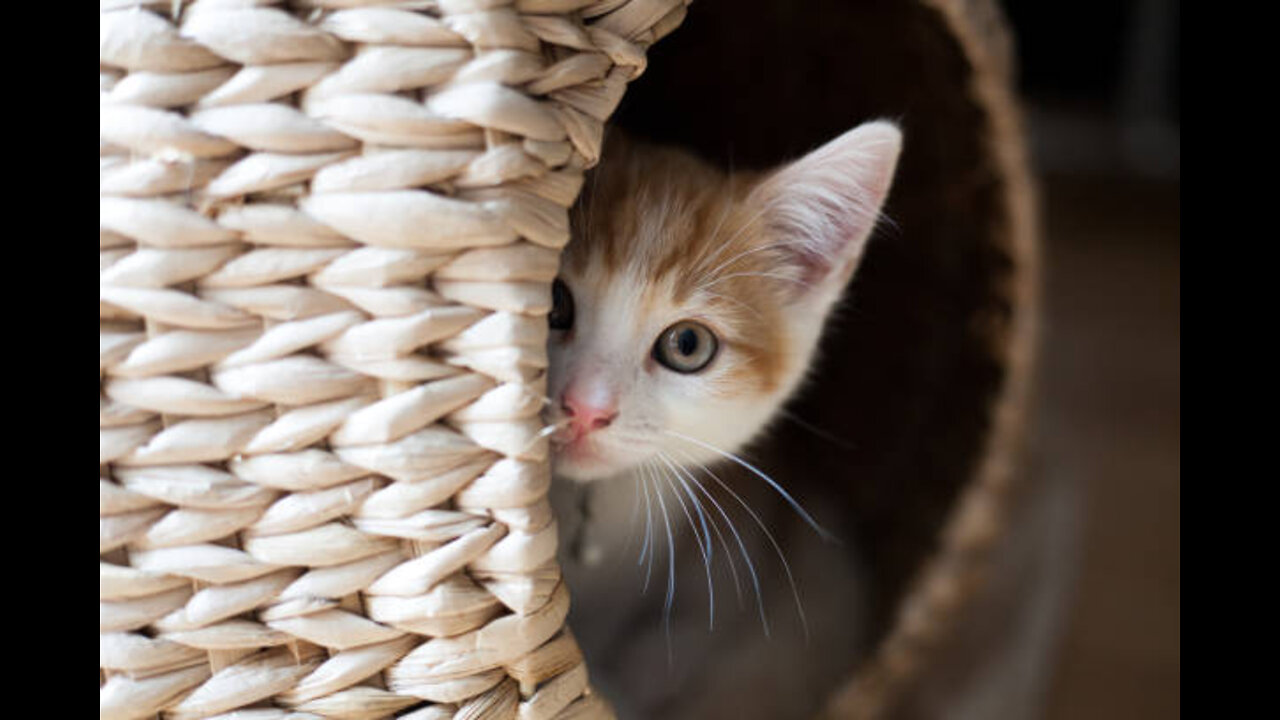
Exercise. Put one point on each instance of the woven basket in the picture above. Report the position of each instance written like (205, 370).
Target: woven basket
(328, 231)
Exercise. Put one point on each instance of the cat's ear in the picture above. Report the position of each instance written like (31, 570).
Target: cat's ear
(823, 207)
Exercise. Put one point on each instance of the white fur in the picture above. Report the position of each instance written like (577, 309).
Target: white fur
(824, 205)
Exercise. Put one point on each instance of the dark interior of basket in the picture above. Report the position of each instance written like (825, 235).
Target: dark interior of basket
(910, 371)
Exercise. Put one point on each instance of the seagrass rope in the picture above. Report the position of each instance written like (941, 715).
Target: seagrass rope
(328, 230)
(950, 579)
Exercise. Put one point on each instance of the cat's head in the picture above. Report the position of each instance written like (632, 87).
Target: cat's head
(690, 303)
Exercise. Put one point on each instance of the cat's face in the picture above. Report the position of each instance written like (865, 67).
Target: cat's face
(690, 304)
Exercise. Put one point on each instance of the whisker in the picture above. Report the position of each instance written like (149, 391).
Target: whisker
(720, 247)
(724, 215)
(742, 548)
(551, 428)
(774, 276)
(697, 506)
(685, 478)
(648, 535)
(822, 532)
(545, 431)
(735, 301)
(751, 221)
(671, 574)
(791, 580)
(704, 548)
(728, 263)
(635, 516)
(824, 434)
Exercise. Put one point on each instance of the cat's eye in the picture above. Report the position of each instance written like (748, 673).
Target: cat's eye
(686, 347)
(561, 315)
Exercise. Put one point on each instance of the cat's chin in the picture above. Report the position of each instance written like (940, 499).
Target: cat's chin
(585, 464)
(580, 470)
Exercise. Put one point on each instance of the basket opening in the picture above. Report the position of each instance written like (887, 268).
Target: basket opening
(900, 405)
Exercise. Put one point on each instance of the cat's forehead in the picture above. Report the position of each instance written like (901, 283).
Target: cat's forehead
(661, 215)
(621, 304)
(662, 236)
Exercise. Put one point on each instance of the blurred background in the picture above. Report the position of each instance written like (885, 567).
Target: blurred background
(1101, 87)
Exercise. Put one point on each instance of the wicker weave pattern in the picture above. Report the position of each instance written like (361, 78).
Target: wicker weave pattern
(327, 234)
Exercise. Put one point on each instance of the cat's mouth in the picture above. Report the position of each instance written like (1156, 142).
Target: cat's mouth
(588, 458)
(580, 459)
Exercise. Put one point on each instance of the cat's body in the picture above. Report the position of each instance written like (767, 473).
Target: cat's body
(654, 663)
(689, 310)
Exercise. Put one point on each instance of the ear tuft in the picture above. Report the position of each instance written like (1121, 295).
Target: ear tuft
(823, 206)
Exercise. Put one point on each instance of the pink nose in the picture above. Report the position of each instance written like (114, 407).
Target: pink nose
(584, 416)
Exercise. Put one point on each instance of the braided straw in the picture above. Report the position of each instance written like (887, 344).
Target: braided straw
(328, 231)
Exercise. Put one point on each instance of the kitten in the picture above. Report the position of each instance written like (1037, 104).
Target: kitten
(688, 309)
